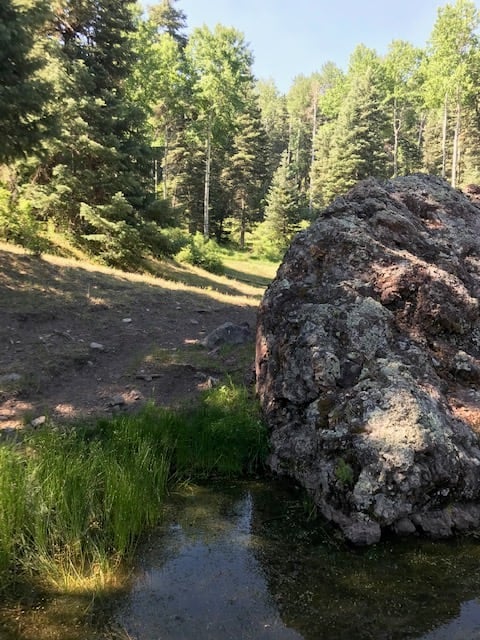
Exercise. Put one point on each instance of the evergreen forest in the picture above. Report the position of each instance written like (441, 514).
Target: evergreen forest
(132, 139)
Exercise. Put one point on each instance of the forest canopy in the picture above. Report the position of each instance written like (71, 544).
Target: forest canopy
(131, 138)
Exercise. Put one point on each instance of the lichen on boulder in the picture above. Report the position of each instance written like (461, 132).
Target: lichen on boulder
(368, 360)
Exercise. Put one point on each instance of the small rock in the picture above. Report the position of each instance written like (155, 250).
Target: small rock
(127, 320)
(404, 526)
(228, 333)
(37, 422)
(10, 377)
(117, 401)
(193, 321)
(212, 382)
(363, 533)
(96, 346)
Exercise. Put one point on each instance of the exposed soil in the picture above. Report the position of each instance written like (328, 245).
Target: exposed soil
(147, 334)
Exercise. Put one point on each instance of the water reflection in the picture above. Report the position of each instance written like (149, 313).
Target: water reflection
(204, 582)
(465, 627)
(241, 562)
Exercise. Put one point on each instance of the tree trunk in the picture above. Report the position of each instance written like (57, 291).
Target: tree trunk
(155, 177)
(165, 165)
(444, 136)
(456, 145)
(396, 132)
(206, 197)
(242, 225)
(312, 157)
(421, 128)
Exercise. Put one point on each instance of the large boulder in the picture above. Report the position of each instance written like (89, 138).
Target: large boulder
(368, 360)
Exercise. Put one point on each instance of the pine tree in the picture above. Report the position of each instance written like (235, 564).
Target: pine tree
(283, 210)
(102, 151)
(301, 104)
(358, 141)
(23, 93)
(245, 170)
(274, 115)
(170, 20)
(321, 165)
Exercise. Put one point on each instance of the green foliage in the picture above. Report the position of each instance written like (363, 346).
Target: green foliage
(402, 80)
(221, 68)
(173, 241)
(202, 253)
(284, 207)
(223, 436)
(356, 142)
(169, 20)
(23, 92)
(75, 501)
(19, 223)
(114, 234)
(244, 173)
(274, 119)
(92, 92)
(344, 472)
(450, 76)
(265, 244)
(13, 506)
(101, 148)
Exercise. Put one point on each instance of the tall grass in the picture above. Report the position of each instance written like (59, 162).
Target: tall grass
(223, 436)
(74, 503)
(13, 507)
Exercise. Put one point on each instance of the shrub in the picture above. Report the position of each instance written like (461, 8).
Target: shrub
(19, 224)
(163, 242)
(202, 253)
(113, 232)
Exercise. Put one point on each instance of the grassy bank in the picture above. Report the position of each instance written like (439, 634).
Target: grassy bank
(74, 503)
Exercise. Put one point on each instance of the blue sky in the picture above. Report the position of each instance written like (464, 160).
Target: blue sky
(293, 37)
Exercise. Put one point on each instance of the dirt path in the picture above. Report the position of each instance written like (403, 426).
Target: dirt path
(82, 342)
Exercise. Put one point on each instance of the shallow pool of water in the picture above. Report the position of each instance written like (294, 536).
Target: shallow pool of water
(241, 562)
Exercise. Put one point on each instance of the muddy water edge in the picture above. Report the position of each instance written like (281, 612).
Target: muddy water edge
(245, 561)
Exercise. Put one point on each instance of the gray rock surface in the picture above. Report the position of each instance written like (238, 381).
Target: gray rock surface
(228, 333)
(368, 360)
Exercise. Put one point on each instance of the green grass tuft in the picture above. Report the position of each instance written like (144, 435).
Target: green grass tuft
(73, 504)
(223, 436)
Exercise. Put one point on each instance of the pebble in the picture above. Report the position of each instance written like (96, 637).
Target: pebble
(10, 377)
(36, 422)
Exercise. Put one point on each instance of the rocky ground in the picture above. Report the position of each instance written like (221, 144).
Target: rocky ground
(82, 341)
